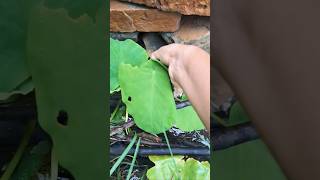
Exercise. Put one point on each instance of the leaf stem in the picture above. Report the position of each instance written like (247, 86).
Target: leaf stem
(134, 159)
(123, 155)
(23, 145)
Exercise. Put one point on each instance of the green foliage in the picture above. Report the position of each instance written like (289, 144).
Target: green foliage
(118, 114)
(22, 89)
(13, 70)
(31, 161)
(146, 90)
(67, 60)
(246, 161)
(197, 170)
(147, 93)
(19, 153)
(133, 159)
(188, 120)
(126, 52)
(166, 167)
(123, 155)
(237, 115)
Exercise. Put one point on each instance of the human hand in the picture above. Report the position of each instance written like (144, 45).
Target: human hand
(176, 57)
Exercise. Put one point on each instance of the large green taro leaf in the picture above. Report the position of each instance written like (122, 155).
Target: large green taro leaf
(13, 70)
(127, 52)
(188, 120)
(146, 90)
(67, 60)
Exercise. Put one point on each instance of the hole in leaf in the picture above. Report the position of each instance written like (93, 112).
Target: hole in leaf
(62, 117)
(129, 98)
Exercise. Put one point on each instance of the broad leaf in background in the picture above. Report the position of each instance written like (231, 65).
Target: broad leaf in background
(147, 93)
(166, 169)
(250, 160)
(22, 89)
(188, 120)
(127, 52)
(67, 60)
(237, 115)
(13, 70)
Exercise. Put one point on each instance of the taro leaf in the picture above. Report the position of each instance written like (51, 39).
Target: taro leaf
(237, 115)
(67, 60)
(13, 70)
(196, 170)
(127, 52)
(146, 91)
(250, 160)
(188, 120)
(165, 168)
(184, 170)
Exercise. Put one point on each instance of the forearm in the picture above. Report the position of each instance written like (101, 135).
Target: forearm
(194, 79)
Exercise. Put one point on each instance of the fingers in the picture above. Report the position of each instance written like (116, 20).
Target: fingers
(161, 54)
(167, 53)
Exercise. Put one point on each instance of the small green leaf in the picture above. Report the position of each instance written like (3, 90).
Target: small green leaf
(146, 91)
(195, 169)
(191, 169)
(165, 167)
(188, 120)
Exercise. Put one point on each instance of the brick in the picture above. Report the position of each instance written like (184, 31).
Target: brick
(126, 17)
(186, 7)
(194, 30)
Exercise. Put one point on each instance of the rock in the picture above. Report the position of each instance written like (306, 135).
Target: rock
(152, 41)
(123, 36)
(126, 17)
(186, 7)
(194, 30)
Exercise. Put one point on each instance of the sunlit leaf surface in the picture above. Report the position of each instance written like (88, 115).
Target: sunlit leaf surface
(127, 52)
(146, 91)
(188, 120)
(175, 168)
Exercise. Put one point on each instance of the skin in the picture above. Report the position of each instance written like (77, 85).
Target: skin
(189, 70)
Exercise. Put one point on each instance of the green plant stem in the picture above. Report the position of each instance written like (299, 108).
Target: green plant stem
(115, 111)
(54, 165)
(123, 155)
(22, 146)
(126, 120)
(174, 162)
(134, 159)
